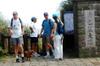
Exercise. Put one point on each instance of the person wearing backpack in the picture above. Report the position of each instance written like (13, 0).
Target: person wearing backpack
(47, 36)
(58, 38)
(16, 33)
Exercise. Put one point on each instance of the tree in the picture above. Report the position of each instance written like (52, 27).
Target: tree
(3, 26)
(3, 32)
(66, 6)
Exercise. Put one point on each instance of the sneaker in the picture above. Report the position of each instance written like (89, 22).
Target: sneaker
(60, 59)
(47, 56)
(36, 55)
(23, 60)
(17, 60)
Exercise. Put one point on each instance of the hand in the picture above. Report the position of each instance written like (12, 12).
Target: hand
(52, 36)
(10, 32)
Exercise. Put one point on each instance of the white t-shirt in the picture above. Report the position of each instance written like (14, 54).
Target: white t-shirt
(16, 29)
(35, 32)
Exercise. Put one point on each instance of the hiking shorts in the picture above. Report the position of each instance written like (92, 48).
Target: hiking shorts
(34, 40)
(16, 41)
(45, 40)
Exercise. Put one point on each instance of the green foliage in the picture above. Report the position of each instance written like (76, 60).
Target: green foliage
(27, 31)
(3, 26)
(5, 30)
(67, 5)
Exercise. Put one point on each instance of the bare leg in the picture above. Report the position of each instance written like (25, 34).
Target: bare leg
(20, 49)
(33, 48)
(16, 50)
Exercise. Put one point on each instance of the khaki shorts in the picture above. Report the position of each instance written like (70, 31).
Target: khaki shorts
(45, 40)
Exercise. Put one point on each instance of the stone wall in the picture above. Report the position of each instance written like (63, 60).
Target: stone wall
(83, 50)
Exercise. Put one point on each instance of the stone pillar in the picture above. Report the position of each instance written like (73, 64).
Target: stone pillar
(90, 51)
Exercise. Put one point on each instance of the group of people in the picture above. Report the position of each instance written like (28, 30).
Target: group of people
(51, 34)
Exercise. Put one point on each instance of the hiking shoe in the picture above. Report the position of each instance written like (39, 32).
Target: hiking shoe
(23, 59)
(36, 55)
(47, 56)
(17, 60)
(60, 59)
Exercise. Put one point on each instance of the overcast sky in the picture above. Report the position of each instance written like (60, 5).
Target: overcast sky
(29, 8)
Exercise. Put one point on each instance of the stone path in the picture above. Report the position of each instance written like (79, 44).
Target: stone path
(49, 62)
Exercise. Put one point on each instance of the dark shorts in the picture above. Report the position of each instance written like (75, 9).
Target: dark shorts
(34, 40)
(45, 40)
(17, 40)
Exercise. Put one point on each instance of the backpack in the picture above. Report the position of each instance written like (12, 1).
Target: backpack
(12, 22)
(49, 24)
(60, 28)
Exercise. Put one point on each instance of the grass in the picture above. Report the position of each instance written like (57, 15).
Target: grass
(2, 58)
(5, 57)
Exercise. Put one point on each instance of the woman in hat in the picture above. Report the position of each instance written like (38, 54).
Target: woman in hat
(58, 46)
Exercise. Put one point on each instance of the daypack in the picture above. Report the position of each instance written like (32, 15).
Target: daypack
(49, 24)
(12, 22)
(60, 28)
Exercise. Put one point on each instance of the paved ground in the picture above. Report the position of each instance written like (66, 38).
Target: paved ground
(8, 61)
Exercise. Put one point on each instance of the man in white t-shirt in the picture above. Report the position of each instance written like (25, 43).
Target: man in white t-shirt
(16, 32)
(34, 35)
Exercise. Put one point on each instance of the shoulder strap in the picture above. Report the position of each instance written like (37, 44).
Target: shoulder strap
(20, 21)
(50, 22)
(11, 22)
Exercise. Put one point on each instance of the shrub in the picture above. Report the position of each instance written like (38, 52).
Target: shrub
(3, 26)
(27, 31)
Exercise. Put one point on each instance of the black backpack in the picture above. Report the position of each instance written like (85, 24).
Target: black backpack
(12, 22)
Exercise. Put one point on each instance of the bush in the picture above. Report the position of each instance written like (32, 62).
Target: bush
(67, 5)
(27, 31)
(3, 26)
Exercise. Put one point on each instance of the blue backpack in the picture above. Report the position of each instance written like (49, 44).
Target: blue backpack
(60, 28)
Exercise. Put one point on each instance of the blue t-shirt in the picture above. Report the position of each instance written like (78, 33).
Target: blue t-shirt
(47, 27)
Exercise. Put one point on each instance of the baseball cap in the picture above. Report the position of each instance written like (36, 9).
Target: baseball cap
(33, 18)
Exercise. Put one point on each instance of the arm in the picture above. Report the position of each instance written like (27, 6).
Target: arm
(31, 29)
(53, 27)
(60, 21)
(22, 27)
(52, 30)
(40, 35)
(41, 31)
(42, 28)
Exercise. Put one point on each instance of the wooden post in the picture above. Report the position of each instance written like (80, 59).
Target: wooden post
(5, 45)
